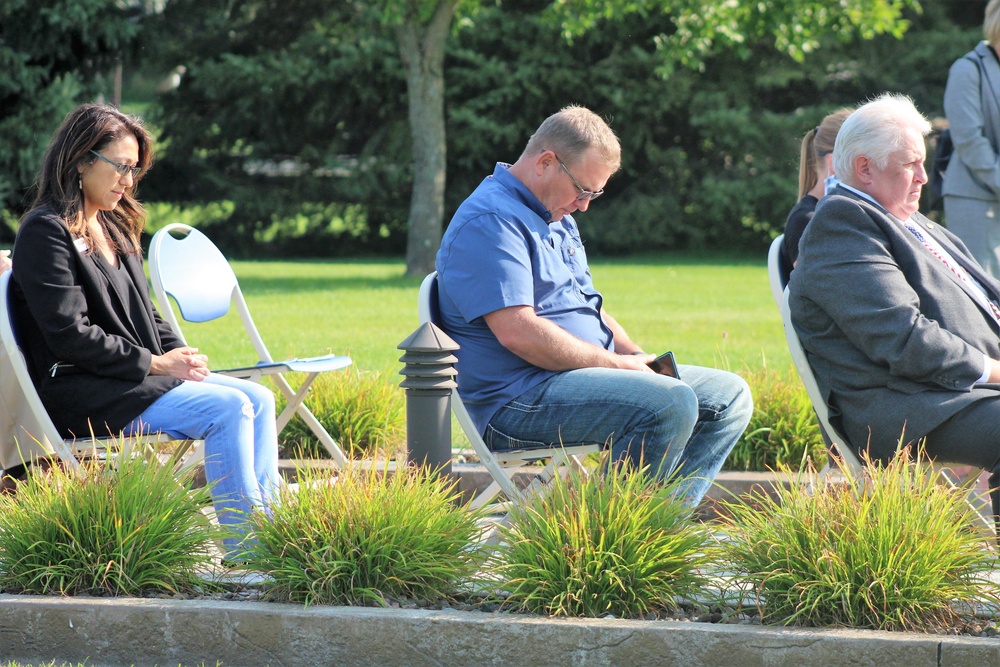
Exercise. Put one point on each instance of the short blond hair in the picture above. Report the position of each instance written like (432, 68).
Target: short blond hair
(573, 131)
(991, 22)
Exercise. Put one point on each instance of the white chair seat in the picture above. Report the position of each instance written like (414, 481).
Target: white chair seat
(186, 265)
(321, 364)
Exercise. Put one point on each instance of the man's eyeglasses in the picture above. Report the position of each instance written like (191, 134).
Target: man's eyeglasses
(122, 169)
(581, 194)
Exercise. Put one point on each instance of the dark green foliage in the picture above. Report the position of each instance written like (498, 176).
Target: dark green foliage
(292, 116)
(53, 55)
(710, 154)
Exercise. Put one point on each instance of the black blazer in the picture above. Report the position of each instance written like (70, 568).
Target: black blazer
(66, 310)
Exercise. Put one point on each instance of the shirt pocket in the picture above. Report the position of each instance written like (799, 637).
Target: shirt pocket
(574, 256)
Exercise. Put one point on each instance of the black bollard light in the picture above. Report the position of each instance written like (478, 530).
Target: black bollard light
(429, 376)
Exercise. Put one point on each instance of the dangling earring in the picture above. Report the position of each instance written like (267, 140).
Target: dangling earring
(79, 180)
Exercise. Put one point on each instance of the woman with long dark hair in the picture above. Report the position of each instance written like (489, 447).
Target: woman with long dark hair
(103, 360)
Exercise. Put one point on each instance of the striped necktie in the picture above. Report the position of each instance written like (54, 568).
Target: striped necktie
(938, 251)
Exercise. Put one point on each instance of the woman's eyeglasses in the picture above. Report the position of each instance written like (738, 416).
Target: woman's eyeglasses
(122, 169)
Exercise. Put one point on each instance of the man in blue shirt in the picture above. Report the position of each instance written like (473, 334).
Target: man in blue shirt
(541, 362)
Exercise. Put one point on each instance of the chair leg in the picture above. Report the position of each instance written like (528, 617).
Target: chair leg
(293, 399)
(317, 428)
(995, 501)
(296, 405)
(485, 496)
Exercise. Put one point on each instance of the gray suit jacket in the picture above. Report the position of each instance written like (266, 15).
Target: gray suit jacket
(893, 337)
(972, 106)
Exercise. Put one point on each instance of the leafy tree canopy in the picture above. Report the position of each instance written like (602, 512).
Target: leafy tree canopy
(710, 152)
(702, 28)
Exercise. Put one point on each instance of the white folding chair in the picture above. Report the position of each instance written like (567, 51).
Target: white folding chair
(31, 429)
(186, 265)
(502, 465)
(777, 268)
(778, 273)
(844, 452)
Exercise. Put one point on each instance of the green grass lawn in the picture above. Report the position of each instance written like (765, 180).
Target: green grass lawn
(708, 310)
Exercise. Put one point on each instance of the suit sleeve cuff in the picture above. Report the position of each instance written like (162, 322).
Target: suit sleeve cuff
(986, 371)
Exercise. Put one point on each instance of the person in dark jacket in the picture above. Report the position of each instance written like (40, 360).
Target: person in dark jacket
(900, 324)
(103, 360)
(816, 178)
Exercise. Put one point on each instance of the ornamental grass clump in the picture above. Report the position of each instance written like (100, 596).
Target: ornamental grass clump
(362, 411)
(783, 429)
(367, 538)
(131, 528)
(890, 551)
(617, 544)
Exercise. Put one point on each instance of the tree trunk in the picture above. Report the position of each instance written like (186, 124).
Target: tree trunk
(421, 47)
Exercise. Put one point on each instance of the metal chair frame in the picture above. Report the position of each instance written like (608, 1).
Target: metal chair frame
(185, 265)
(502, 466)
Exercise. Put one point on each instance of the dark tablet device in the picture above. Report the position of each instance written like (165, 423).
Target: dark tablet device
(665, 365)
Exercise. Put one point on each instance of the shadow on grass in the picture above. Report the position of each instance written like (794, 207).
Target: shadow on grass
(259, 285)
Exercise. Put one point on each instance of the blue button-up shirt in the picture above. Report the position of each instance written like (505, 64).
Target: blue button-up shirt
(500, 250)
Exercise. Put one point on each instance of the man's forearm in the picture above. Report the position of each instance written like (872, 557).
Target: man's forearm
(544, 344)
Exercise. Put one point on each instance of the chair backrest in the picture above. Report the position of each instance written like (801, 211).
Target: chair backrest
(427, 311)
(24, 422)
(778, 270)
(812, 388)
(186, 265)
(427, 300)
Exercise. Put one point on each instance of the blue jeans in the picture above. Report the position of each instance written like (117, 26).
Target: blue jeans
(237, 422)
(676, 428)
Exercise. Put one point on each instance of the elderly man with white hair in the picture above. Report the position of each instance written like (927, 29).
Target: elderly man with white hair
(899, 322)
